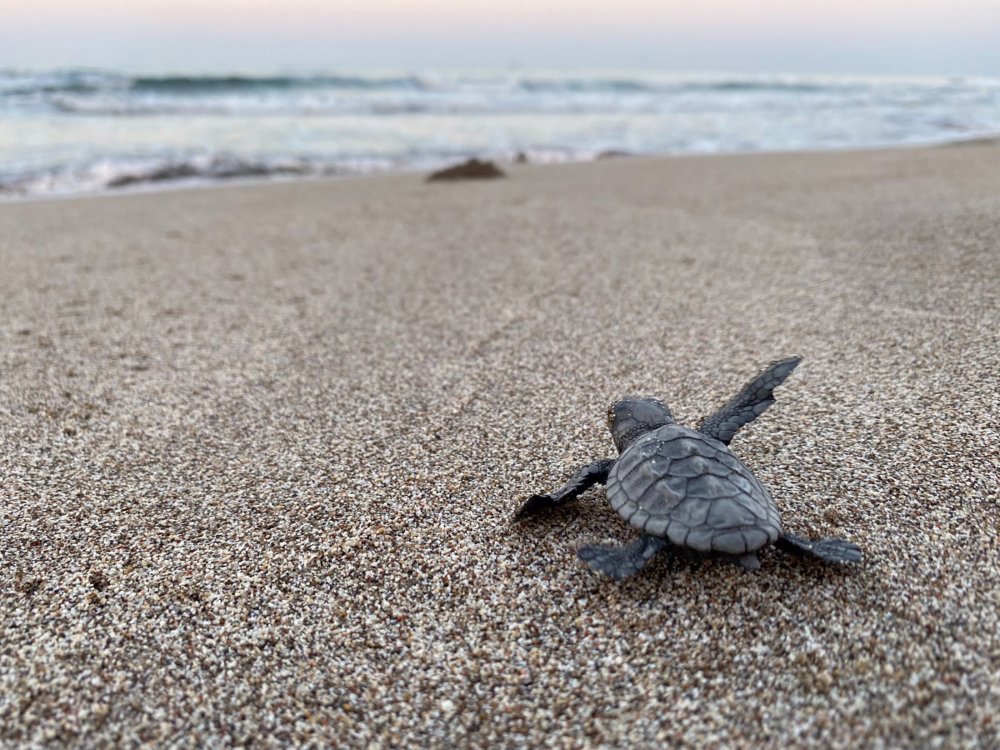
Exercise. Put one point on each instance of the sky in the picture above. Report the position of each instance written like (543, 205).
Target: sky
(887, 37)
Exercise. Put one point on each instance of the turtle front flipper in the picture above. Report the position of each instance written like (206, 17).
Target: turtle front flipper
(752, 401)
(827, 550)
(585, 477)
(621, 561)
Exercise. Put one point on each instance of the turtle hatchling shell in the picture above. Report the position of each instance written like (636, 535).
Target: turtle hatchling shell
(676, 483)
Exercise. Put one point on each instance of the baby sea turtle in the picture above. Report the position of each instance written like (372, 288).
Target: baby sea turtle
(686, 488)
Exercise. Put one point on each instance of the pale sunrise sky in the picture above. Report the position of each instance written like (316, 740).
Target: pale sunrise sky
(909, 37)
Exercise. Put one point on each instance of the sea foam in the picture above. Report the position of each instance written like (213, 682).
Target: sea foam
(86, 130)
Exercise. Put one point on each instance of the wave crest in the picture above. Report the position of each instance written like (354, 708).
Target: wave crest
(237, 84)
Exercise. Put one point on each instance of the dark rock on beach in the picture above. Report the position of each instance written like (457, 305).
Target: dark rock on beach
(473, 169)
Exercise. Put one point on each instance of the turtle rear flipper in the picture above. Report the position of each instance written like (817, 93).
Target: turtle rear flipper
(827, 550)
(752, 401)
(621, 561)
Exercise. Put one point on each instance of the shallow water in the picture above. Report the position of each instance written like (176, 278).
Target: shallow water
(88, 131)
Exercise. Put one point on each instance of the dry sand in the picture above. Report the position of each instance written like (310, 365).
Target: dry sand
(261, 447)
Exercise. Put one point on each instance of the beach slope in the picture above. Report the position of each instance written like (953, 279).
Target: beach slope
(261, 448)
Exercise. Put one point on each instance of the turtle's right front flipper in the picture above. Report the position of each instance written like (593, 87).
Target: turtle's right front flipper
(584, 479)
(752, 401)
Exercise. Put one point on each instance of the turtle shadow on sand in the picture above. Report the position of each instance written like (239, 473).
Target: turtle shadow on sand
(563, 523)
(684, 489)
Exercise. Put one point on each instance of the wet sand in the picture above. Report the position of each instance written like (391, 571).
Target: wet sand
(261, 447)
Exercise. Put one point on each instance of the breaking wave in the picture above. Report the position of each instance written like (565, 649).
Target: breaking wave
(227, 84)
(99, 130)
(115, 174)
(106, 93)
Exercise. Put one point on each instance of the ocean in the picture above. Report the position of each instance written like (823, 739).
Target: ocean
(73, 132)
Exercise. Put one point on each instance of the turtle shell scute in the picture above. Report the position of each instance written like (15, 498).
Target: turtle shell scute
(690, 489)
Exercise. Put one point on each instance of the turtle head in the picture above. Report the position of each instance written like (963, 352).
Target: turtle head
(632, 416)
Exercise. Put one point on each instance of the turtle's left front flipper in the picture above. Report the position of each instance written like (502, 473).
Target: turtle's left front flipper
(827, 550)
(752, 401)
(584, 479)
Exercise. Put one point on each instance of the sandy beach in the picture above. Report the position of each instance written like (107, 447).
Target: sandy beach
(260, 447)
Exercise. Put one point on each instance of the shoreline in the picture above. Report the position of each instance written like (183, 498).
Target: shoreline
(262, 446)
(185, 184)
